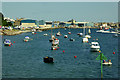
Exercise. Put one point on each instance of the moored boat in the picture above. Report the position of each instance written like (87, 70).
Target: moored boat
(87, 36)
(58, 34)
(26, 39)
(65, 36)
(33, 32)
(107, 63)
(71, 39)
(69, 32)
(85, 40)
(7, 42)
(95, 47)
(48, 59)
(55, 44)
(52, 38)
(45, 34)
(89, 31)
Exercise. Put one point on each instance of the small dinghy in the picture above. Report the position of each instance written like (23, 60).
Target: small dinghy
(65, 36)
(107, 63)
(58, 34)
(81, 34)
(71, 39)
(26, 39)
(48, 59)
(7, 42)
(69, 32)
(33, 32)
(45, 34)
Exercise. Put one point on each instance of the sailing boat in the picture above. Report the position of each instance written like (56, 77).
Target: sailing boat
(89, 31)
(69, 31)
(52, 36)
(88, 36)
(84, 39)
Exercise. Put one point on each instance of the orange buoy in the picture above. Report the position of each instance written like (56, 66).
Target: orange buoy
(9, 45)
(55, 49)
(75, 56)
(113, 52)
(14, 41)
(63, 51)
(35, 33)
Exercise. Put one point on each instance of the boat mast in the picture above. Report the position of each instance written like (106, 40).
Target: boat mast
(84, 30)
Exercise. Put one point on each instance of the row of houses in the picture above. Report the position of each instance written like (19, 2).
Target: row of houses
(42, 23)
(30, 23)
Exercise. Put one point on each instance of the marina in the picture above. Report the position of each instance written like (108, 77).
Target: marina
(59, 40)
(76, 57)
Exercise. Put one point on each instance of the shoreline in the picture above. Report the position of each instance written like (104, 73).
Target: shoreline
(17, 32)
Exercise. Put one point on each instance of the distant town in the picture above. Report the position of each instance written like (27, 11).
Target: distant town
(30, 23)
(7, 23)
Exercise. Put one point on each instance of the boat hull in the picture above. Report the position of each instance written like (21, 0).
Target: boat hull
(95, 49)
(7, 44)
(107, 64)
(50, 40)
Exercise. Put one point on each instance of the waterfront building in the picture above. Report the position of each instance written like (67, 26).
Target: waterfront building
(29, 23)
(9, 19)
(48, 24)
(42, 23)
(17, 21)
(90, 24)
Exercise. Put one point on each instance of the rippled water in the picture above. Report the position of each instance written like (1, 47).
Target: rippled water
(25, 59)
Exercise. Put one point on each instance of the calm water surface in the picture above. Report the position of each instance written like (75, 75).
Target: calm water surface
(25, 59)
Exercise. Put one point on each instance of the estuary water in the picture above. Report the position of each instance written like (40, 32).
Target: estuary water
(25, 59)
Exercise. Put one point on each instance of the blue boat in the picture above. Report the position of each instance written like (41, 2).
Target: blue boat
(7, 42)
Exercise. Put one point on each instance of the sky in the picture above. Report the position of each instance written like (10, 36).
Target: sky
(62, 11)
(60, 0)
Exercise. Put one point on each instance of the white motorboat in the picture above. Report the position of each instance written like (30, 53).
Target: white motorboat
(45, 34)
(105, 31)
(87, 36)
(99, 30)
(95, 47)
(58, 34)
(85, 40)
(33, 32)
(7, 42)
(65, 36)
